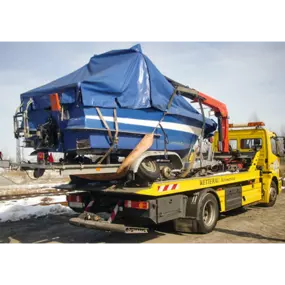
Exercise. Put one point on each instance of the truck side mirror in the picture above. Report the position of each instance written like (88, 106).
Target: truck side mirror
(279, 146)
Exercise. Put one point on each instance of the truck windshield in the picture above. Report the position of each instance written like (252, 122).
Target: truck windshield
(250, 143)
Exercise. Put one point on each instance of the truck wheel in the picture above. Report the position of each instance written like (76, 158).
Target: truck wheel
(272, 195)
(208, 214)
(39, 172)
(148, 170)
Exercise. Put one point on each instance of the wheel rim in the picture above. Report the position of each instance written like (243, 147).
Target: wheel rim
(273, 194)
(166, 172)
(209, 213)
(149, 165)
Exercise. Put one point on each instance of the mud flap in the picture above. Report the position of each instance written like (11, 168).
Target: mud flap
(185, 225)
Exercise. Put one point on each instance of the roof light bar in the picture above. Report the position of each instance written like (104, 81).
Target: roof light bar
(248, 125)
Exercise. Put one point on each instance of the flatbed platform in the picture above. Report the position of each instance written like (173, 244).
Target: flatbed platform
(173, 186)
(192, 203)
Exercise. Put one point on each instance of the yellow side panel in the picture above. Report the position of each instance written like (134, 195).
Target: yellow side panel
(197, 183)
(251, 193)
(266, 178)
(222, 196)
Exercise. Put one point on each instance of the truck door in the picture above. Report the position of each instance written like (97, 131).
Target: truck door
(276, 150)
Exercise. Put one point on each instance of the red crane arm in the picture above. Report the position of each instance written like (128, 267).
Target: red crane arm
(220, 109)
(221, 112)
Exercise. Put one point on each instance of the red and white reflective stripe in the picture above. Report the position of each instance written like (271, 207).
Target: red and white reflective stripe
(168, 187)
(114, 213)
(89, 206)
(128, 204)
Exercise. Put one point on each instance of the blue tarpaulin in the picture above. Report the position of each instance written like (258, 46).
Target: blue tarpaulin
(120, 78)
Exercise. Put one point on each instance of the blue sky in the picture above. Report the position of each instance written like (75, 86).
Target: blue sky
(248, 77)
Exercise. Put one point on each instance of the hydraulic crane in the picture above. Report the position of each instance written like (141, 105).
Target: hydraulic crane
(221, 112)
(220, 109)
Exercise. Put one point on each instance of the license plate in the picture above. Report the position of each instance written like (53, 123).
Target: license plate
(76, 205)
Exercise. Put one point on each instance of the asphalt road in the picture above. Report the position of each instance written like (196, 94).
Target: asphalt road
(253, 225)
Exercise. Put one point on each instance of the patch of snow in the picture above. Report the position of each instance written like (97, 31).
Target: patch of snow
(27, 208)
(32, 201)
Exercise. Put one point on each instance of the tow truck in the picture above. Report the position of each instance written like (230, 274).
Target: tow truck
(243, 169)
(193, 204)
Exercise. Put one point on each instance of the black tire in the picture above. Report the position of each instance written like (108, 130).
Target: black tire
(208, 214)
(39, 172)
(273, 194)
(148, 170)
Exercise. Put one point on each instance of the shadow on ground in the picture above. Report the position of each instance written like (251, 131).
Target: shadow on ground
(248, 235)
(56, 229)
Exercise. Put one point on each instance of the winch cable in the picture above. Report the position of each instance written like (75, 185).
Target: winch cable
(191, 163)
(166, 111)
(159, 124)
(166, 140)
(202, 132)
(30, 176)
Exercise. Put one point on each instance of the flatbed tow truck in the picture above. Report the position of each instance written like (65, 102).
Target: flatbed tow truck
(193, 204)
(243, 168)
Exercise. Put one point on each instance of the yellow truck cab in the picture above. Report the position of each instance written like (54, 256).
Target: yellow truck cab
(252, 137)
